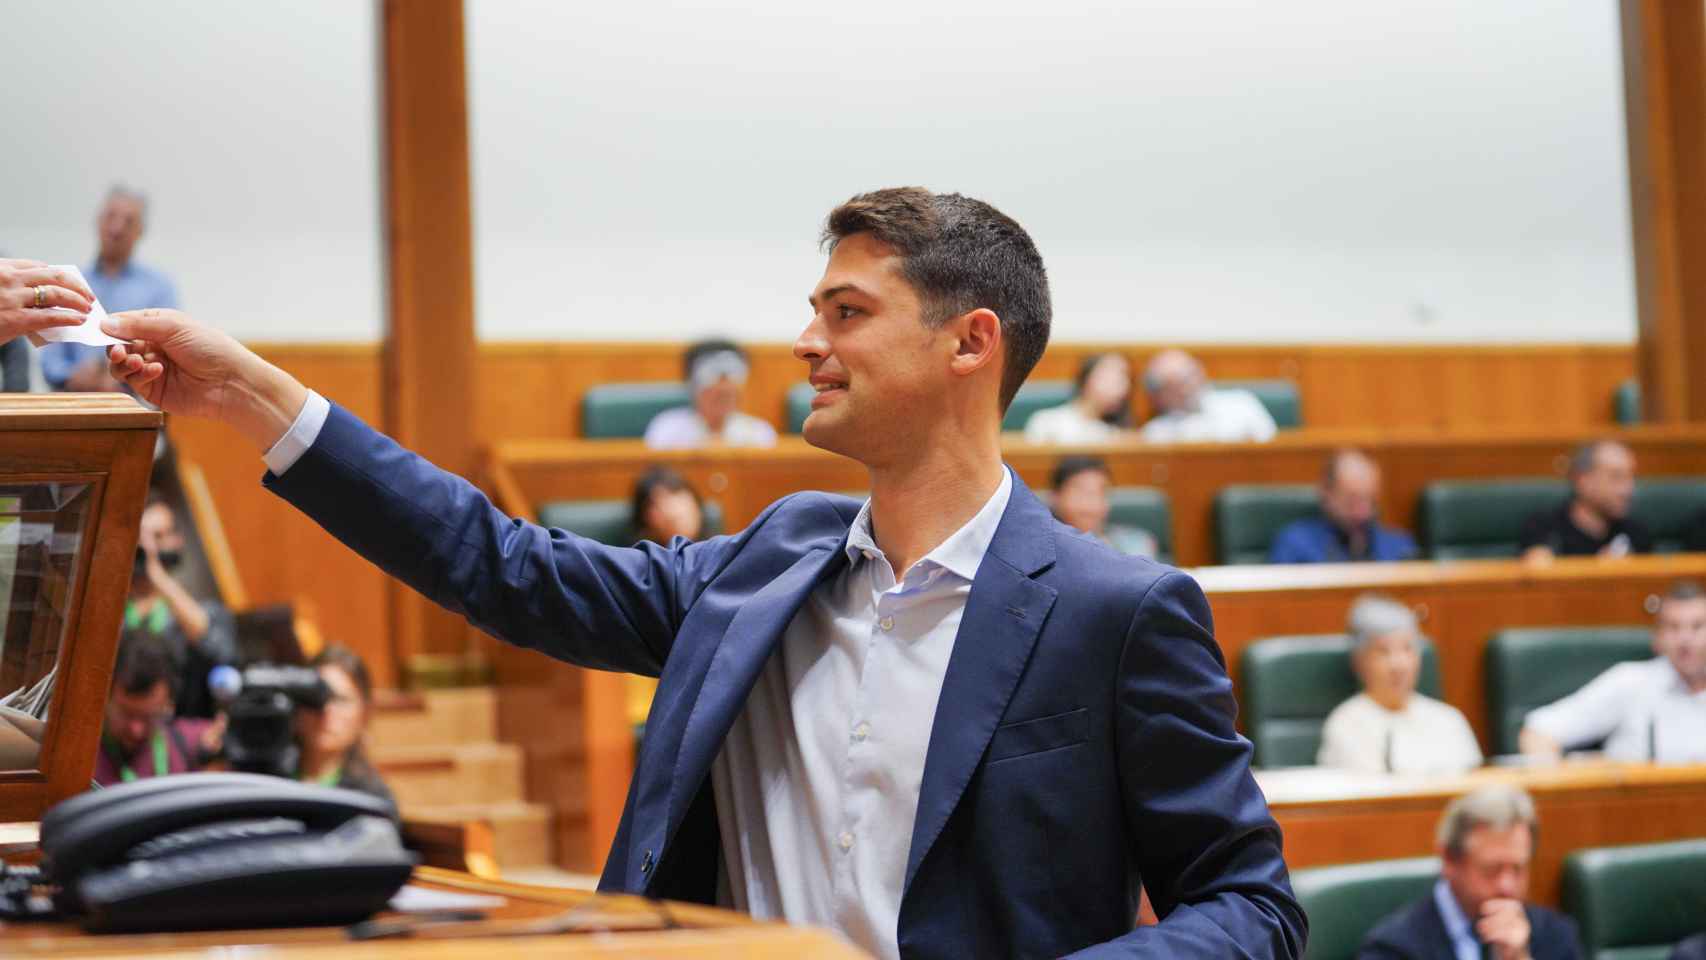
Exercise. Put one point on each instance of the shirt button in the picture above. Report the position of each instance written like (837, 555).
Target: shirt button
(862, 731)
(845, 840)
(887, 623)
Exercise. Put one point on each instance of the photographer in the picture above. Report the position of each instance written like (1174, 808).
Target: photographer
(330, 738)
(140, 738)
(200, 634)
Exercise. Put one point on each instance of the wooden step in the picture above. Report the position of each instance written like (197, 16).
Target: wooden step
(433, 718)
(454, 773)
(521, 832)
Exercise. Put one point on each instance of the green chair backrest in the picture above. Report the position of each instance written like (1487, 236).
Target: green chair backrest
(1248, 516)
(796, 407)
(623, 409)
(1637, 900)
(1530, 667)
(1289, 684)
(1626, 402)
(1344, 903)
(607, 520)
(1033, 396)
(1462, 519)
(1281, 397)
(1665, 506)
(1146, 508)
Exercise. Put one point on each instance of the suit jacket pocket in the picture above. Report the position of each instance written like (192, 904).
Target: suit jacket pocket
(1025, 737)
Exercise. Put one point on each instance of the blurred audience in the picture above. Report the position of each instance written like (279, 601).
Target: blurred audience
(665, 507)
(1389, 727)
(1080, 487)
(200, 634)
(140, 736)
(1188, 409)
(332, 738)
(1595, 519)
(119, 282)
(1641, 710)
(1348, 527)
(1100, 408)
(716, 372)
(1476, 909)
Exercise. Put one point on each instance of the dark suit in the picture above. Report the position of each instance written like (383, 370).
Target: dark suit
(1083, 740)
(1417, 932)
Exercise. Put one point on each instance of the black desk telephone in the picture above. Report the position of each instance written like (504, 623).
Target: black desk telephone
(199, 851)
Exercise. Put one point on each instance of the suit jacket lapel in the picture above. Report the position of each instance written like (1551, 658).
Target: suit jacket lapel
(1004, 614)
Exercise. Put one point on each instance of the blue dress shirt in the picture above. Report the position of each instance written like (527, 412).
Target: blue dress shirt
(134, 287)
(1457, 925)
(1316, 540)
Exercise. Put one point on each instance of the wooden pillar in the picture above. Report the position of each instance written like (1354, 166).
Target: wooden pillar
(1664, 66)
(429, 337)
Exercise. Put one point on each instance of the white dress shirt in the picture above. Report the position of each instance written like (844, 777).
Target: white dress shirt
(1066, 424)
(1224, 416)
(1426, 737)
(302, 433)
(682, 428)
(817, 784)
(1641, 709)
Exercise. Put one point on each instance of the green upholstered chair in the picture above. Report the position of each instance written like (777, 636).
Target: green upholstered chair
(1626, 402)
(1033, 396)
(1531, 667)
(1636, 902)
(1146, 508)
(1248, 516)
(1461, 519)
(1281, 397)
(1344, 903)
(797, 405)
(607, 520)
(623, 409)
(1666, 505)
(1290, 684)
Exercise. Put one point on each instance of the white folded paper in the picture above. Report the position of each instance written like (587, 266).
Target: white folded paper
(89, 331)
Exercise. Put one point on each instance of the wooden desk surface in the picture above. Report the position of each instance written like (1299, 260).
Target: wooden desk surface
(705, 933)
(1329, 817)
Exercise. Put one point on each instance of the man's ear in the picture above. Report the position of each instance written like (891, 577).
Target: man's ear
(977, 341)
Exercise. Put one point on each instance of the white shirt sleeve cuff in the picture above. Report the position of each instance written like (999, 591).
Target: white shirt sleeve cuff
(301, 435)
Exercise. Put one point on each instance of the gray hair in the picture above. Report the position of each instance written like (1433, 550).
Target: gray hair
(126, 192)
(1374, 615)
(1500, 807)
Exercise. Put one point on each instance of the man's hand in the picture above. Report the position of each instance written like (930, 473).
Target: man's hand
(1504, 927)
(183, 367)
(1538, 746)
(24, 310)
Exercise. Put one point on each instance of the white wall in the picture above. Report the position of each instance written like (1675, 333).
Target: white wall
(253, 128)
(1198, 169)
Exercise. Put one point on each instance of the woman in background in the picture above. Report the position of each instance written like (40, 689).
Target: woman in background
(330, 738)
(666, 506)
(1100, 408)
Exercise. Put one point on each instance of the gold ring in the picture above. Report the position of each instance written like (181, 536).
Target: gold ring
(40, 299)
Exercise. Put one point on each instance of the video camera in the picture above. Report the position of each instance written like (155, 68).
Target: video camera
(261, 701)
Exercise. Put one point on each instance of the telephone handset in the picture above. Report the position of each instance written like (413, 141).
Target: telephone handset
(205, 850)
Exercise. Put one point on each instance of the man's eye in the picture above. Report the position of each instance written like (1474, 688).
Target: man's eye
(846, 311)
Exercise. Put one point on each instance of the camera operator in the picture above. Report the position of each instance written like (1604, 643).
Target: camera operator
(140, 738)
(330, 738)
(199, 633)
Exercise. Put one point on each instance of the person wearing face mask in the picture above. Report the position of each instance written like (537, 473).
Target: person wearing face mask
(1348, 528)
(1100, 408)
(332, 738)
(201, 634)
(716, 373)
(1389, 727)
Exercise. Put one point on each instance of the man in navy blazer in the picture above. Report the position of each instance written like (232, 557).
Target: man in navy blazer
(941, 723)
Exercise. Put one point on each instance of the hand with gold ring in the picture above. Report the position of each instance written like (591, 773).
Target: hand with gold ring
(28, 289)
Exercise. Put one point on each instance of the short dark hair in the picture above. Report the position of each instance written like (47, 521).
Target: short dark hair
(960, 255)
(654, 479)
(1683, 591)
(1072, 466)
(145, 659)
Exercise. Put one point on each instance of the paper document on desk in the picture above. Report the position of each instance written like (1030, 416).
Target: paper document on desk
(89, 331)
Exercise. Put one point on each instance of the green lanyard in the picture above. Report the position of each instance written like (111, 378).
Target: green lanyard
(161, 762)
(331, 779)
(158, 617)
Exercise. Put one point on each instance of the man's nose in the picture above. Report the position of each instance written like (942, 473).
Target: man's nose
(811, 344)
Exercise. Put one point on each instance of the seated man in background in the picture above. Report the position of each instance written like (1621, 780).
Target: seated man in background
(716, 371)
(140, 737)
(200, 634)
(119, 282)
(1100, 408)
(1642, 710)
(1188, 410)
(1389, 727)
(1348, 527)
(1595, 520)
(331, 739)
(665, 507)
(1080, 487)
(1476, 910)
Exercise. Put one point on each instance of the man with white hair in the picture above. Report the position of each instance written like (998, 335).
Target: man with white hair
(1188, 410)
(1476, 909)
(716, 371)
(1389, 727)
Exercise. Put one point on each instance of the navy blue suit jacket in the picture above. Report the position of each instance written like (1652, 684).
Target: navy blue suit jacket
(1417, 932)
(1083, 742)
